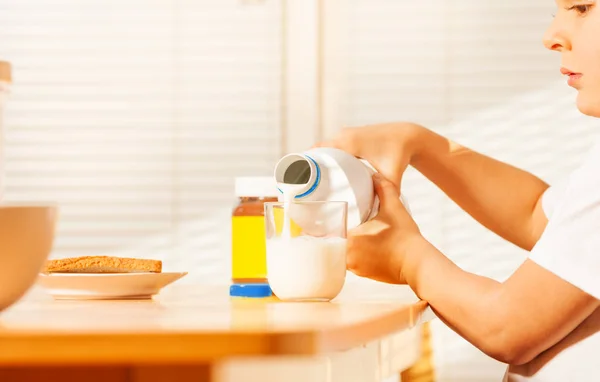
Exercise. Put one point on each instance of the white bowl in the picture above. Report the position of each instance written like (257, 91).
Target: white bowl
(26, 238)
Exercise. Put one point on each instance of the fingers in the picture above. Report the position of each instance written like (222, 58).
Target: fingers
(388, 192)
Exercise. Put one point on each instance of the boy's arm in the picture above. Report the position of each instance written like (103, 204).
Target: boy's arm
(503, 198)
(549, 296)
(513, 321)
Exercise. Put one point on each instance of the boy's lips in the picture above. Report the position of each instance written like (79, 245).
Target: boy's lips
(574, 77)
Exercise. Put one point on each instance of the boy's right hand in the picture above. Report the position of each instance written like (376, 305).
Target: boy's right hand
(387, 147)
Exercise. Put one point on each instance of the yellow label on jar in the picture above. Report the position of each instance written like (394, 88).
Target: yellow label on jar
(249, 252)
(249, 249)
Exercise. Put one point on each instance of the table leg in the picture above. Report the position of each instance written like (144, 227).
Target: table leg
(423, 370)
(399, 352)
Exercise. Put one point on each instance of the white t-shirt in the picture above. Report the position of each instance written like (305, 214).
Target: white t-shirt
(570, 248)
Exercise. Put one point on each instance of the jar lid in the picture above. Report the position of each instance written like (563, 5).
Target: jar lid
(5, 74)
(250, 290)
(257, 186)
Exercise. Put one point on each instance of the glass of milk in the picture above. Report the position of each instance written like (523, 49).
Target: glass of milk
(306, 249)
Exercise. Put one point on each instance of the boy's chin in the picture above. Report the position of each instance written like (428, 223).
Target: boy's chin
(588, 104)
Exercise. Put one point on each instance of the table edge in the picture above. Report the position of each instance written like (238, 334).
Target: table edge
(23, 349)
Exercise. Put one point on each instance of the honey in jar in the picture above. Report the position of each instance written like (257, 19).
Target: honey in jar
(249, 253)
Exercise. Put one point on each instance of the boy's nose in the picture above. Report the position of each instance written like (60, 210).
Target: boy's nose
(555, 38)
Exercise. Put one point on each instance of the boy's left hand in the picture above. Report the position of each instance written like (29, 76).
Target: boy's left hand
(378, 248)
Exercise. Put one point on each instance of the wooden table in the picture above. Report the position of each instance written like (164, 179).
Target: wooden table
(198, 333)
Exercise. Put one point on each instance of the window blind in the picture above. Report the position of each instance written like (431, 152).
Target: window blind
(135, 116)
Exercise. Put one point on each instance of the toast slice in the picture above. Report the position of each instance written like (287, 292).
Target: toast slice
(102, 264)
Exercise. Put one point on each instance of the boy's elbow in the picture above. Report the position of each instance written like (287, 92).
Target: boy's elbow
(511, 355)
(509, 347)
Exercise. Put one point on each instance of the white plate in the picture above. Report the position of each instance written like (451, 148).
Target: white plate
(106, 286)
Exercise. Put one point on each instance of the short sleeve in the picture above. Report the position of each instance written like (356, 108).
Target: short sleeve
(552, 196)
(570, 245)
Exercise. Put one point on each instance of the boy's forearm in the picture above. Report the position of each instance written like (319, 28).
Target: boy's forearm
(501, 197)
(513, 321)
(469, 304)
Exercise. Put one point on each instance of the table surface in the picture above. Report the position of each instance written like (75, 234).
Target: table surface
(194, 324)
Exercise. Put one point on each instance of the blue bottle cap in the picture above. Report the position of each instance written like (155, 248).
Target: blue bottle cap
(250, 290)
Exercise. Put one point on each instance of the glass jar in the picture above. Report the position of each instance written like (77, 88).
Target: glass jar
(249, 253)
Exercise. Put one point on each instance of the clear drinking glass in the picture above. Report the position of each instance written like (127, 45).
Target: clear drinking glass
(306, 249)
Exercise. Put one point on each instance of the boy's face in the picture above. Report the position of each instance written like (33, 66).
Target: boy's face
(575, 33)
